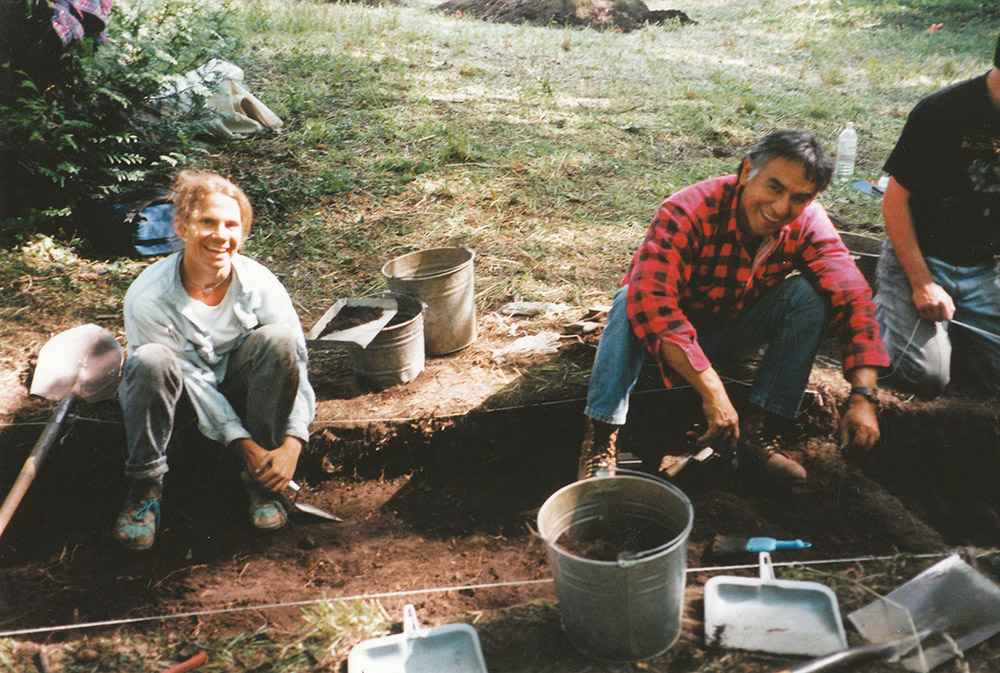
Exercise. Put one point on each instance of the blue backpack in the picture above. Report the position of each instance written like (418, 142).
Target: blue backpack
(140, 226)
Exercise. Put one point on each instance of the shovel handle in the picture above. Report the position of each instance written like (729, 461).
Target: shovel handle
(34, 460)
(849, 657)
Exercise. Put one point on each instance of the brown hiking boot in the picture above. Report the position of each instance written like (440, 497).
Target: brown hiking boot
(599, 449)
(757, 447)
(774, 463)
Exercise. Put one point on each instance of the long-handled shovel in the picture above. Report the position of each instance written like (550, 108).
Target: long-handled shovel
(81, 363)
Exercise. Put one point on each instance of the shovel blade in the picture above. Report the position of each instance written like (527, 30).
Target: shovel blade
(84, 360)
(949, 597)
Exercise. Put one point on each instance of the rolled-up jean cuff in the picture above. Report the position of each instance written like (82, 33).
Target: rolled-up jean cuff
(148, 471)
(611, 419)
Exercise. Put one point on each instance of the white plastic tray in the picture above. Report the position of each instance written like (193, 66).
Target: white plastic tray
(451, 648)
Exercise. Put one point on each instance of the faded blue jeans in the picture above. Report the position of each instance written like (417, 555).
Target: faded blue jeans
(922, 352)
(789, 320)
(261, 382)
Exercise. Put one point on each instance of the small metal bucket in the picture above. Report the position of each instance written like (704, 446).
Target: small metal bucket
(442, 278)
(628, 609)
(396, 354)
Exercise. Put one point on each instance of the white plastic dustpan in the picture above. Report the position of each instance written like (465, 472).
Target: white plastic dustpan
(357, 335)
(451, 648)
(771, 615)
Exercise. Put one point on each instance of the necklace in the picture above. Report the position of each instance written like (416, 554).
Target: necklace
(206, 290)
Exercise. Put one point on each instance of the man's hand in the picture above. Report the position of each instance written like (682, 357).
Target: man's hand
(723, 424)
(933, 303)
(271, 469)
(858, 426)
(723, 421)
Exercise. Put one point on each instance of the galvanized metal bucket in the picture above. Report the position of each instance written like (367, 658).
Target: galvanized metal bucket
(628, 609)
(396, 354)
(442, 278)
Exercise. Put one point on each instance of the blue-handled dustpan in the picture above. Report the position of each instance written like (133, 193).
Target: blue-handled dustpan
(451, 648)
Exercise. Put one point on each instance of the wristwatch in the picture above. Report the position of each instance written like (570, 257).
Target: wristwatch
(867, 392)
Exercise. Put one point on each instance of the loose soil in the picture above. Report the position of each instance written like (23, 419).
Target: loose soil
(351, 316)
(439, 482)
(620, 15)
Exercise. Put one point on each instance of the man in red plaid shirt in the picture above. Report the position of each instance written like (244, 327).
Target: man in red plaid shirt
(729, 266)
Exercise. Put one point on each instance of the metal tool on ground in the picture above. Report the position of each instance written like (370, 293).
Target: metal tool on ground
(671, 465)
(854, 656)
(450, 648)
(771, 615)
(307, 508)
(960, 606)
(81, 363)
(727, 545)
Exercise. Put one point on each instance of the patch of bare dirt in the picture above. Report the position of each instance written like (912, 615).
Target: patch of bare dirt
(439, 481)
(621, 15)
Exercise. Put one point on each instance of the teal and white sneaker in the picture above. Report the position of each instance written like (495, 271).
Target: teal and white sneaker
(267, 509)
(140, 517)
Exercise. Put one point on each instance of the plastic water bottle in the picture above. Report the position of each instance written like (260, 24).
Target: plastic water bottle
(847, 147)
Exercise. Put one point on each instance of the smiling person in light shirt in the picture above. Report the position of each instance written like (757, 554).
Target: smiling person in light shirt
(219, 328)
(728, 266)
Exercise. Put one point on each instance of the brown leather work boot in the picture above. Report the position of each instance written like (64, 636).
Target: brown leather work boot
(758, 448)
(774, 463)
(599, 449)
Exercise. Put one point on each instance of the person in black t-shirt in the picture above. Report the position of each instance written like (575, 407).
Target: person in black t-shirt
(938, 281)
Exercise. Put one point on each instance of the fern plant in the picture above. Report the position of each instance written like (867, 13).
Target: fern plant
(98, 118)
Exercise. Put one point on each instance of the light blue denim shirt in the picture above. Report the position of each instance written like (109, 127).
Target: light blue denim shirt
(157, 310)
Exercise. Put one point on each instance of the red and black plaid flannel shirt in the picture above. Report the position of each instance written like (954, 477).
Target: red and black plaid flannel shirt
(693, 266)
(70, 23)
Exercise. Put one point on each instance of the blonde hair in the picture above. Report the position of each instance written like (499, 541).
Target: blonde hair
(190, 189)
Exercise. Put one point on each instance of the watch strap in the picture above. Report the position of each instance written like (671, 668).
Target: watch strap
(867, 392)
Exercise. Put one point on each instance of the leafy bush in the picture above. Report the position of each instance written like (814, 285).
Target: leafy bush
(90, 121)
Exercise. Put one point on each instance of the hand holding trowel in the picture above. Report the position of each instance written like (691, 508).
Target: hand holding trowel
(671, 465)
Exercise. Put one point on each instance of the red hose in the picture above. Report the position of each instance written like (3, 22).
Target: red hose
(189, 665)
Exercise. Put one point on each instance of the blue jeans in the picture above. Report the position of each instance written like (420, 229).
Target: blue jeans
(789, 320)
(922, 352)
(261, 382)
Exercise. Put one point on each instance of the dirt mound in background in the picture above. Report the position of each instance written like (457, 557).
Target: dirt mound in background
(623, 15)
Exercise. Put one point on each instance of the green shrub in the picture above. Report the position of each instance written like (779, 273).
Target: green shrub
(90, 121)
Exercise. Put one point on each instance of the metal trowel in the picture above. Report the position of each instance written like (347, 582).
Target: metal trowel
(307, 508)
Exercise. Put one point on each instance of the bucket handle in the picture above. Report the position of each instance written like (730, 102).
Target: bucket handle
(626, 559)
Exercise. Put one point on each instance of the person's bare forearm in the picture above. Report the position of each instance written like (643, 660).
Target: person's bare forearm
(723, 422)
(903, 235)
(930, 299)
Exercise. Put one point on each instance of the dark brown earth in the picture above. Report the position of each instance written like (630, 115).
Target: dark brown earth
(351, 316)
(621, 15)
(439, 482)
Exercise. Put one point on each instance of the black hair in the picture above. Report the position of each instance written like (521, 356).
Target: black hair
(996, 54)
(799, 146)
